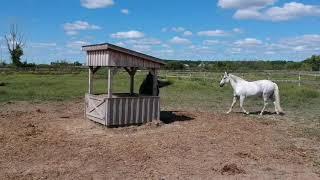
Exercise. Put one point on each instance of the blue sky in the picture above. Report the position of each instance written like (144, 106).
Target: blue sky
(169, 29)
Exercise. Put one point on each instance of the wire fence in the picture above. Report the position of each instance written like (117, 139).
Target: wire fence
(298, 78)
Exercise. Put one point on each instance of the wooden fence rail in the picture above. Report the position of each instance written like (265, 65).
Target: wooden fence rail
(189, 75)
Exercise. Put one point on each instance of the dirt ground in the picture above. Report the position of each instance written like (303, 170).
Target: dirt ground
(54, 141)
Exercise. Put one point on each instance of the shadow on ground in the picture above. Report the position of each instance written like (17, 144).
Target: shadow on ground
(258, 113)
(168, 117)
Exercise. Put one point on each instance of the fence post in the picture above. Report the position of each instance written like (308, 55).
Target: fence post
(299, 79)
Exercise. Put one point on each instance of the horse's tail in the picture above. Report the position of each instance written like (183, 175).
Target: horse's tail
(277, 98)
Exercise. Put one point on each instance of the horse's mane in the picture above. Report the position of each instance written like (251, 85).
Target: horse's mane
(236, 78)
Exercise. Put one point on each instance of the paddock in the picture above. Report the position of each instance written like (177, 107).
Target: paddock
(120, 109)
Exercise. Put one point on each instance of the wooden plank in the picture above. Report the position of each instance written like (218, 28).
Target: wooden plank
(110, 82)
(90, 81)
(155, 82)
(120, 113)
(98, 120)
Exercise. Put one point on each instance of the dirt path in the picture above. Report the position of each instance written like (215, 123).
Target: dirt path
(53, 141)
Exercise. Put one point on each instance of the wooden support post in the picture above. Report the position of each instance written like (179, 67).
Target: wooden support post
(299, 79)
(131, 84)
(155, 82)
(110, 76)
(131, 71)
(90, 80)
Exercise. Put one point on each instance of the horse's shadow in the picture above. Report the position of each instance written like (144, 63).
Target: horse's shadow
(168, 117)
(264, 113)
(258, 113)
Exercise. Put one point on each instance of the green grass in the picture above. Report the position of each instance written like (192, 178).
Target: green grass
(184, 93)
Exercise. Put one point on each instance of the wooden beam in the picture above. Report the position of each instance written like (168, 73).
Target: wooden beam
(94, 70)
(131, 84)
(131, 71)
(90, 89)
(110, 82)
(155, 82)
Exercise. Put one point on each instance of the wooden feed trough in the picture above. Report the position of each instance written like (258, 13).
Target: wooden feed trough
(120, 109)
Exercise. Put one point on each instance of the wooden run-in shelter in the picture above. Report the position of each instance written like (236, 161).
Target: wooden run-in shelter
(120, 109)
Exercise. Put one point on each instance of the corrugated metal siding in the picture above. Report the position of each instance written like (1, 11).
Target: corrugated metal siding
(126, 111)
(122, 111)
(118, 59)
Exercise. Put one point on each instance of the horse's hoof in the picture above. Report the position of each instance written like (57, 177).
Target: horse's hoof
(228, 112)
(246, 113)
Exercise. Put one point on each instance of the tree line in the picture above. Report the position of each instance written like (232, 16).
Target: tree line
(310, 64)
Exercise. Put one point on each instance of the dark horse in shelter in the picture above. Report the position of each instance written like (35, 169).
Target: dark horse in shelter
(147, 85)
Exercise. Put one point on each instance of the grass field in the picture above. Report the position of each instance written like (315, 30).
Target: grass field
(184, 93)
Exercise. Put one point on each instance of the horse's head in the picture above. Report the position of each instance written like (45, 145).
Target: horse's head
(225, 79)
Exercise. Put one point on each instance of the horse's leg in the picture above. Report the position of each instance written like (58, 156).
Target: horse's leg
(275, 107)
(241, 104)
(274, 103)
(233, 103)
(265, 103)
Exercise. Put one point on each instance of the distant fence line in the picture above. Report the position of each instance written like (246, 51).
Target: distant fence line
(53, 69)
(295, 77)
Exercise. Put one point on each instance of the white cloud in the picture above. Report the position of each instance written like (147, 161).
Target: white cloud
(248, 42)
(75, 27)
(178, 29)
(144, 41)
(187, 33)
(164, 29)
(133, 34)
(94, 4)
(306, 43)
(210, 42)
(120, 44)
(165, 46)
(216, 32)
(299, 48)
(76, 44)
(244, 4)
(235, 50)
(143, 48)
(247, 14)
(125, 11)
(180, 41)
(237, 30)
(43, 45)
(289, 11)
(270, 52)
(167, 51)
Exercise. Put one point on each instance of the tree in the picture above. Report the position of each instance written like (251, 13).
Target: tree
(15, 44)
(314, 61)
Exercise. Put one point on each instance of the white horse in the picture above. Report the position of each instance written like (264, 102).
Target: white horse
(266, 89)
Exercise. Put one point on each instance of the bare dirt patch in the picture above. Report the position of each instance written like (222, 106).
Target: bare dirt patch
(54, 141)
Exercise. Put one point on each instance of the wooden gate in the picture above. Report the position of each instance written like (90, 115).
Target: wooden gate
(96, 109)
